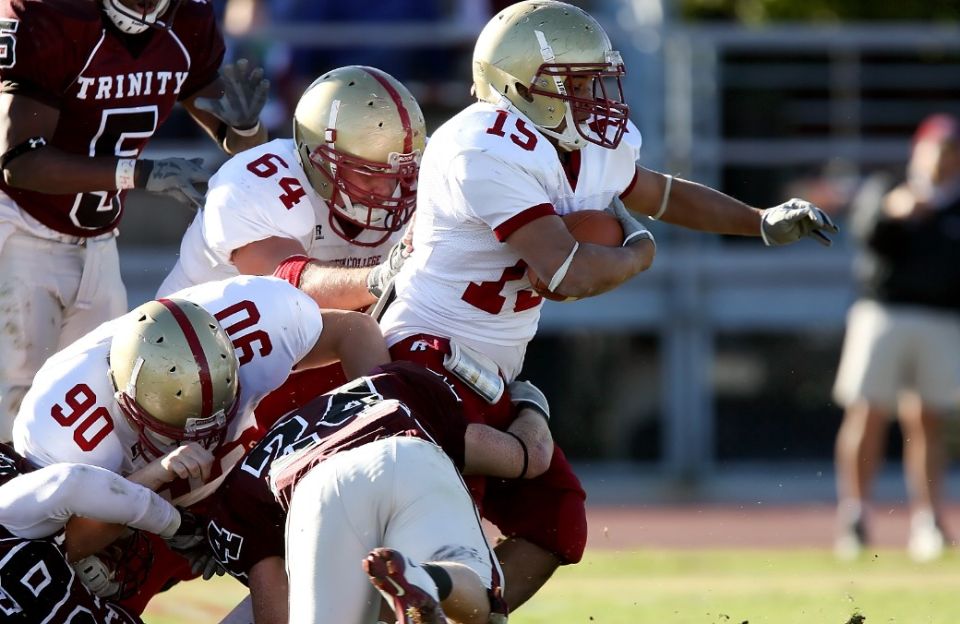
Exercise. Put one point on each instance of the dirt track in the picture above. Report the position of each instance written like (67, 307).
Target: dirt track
(738, 526)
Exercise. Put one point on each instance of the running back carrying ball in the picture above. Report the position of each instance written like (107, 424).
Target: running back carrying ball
(586, 226)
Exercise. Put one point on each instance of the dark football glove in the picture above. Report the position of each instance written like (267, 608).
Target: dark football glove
(179, 178)
(244, 95)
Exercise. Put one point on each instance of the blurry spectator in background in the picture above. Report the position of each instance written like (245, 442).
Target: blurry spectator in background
(902, 349)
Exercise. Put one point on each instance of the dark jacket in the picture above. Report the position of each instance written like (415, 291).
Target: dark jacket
(908, 261)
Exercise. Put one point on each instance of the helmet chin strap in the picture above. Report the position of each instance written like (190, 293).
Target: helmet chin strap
(569, 139)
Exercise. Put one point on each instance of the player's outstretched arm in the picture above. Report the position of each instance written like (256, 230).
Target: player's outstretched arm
(700, 207)
(228, 109)
(578, 269)
(330, 287)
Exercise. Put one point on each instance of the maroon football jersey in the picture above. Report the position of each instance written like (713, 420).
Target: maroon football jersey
(398, 399)
(112, 89)
(36, 582)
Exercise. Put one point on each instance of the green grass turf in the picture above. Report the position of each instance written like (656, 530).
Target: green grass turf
(693, 587)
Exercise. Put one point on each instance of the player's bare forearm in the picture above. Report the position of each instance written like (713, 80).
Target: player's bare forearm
(353, 338)
(336, 287)
(490, 452)
(597, 269)
(49, 169)
(691, 205)
(545, 245)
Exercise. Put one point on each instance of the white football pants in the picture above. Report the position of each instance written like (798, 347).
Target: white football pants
(51, 293)
(401, 493)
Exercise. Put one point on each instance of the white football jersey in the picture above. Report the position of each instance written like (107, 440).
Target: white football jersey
(70, 414)
(485, 173)
(263, 193)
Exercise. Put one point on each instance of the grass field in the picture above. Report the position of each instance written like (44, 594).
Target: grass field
(693, 587)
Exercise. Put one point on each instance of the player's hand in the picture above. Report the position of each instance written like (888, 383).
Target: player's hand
(633, 230)
(244, 95)
(191, 532)
(525, 394)
(794, 219)
(382, 274)
(189, 460)
(179, 178)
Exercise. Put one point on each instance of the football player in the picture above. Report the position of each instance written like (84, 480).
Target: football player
(549, 136)
(85, 84)
(325, 208)
(189, 368)
(41, 555)
(373, 464)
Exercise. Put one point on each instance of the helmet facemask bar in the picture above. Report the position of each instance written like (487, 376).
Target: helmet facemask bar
(367, 208)
(132, 21)
(605, 116)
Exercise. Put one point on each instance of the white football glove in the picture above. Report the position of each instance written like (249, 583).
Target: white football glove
(382, 274)
(633, 230)
(525, 394)
(794, 219)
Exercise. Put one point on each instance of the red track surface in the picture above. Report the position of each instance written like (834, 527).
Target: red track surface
(739, 526)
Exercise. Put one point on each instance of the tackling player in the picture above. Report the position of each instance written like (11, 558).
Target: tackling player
(83, 86)
(549, 136)
(349, 478)
(325, 208)
(191, 367)
(41, 554)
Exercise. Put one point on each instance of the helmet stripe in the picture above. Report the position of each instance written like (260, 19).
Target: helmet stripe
(401, 109)
(193, 340)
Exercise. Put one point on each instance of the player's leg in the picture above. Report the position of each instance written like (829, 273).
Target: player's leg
(336, 518)
(436, 524)
(937, 356)
(867, 381)
(544, 520)
(30, 315)
(97, 294)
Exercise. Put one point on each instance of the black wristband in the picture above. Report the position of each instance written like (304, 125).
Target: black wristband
(526, 455)
(33, 143)
(142, 173)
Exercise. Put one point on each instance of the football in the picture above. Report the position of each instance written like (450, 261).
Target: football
(587, 226)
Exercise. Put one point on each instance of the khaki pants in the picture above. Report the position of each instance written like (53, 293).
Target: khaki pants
(893, 348)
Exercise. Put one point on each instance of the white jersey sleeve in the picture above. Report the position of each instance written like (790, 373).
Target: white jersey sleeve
(39, 503)
(70, 414)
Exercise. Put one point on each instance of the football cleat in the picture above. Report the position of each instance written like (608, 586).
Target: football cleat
(927, 541)
(412, 604)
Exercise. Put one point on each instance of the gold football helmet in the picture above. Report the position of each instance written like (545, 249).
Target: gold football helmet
(175, 373)
(552, 61)
(134, 18)
(359, 136)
